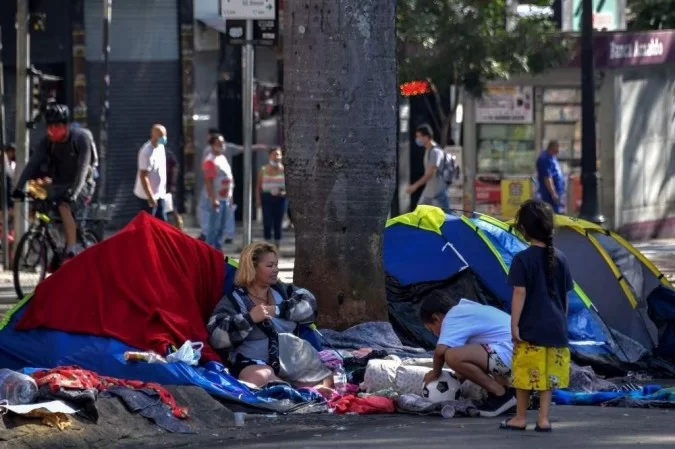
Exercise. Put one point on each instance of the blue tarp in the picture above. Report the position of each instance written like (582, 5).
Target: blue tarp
(43, 348)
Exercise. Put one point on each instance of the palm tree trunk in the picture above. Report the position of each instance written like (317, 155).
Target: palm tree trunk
(340, 97)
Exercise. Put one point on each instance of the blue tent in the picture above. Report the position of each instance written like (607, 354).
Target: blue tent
(425, 248)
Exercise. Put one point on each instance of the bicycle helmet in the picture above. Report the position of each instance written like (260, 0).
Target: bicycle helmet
(57, 114)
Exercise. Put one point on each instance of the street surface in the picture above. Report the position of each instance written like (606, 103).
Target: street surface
(583, 427)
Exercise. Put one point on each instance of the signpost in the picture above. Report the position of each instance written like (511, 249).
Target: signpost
(3, 143)
(248, 10)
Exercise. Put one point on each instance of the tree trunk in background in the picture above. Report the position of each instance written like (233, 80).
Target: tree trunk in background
(340, 95)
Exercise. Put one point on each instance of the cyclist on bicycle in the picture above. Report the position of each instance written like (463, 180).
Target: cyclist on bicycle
(66, 153)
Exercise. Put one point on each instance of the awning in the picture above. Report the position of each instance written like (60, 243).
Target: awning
(214, 21)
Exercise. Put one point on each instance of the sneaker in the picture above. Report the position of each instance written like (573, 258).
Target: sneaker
(497, 405)
(228, 241)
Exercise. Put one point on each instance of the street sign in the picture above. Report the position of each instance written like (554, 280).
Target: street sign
(608, 15)
(248, 9)
(265, 32)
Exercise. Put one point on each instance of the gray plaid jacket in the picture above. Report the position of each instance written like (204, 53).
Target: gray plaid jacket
(230, 324)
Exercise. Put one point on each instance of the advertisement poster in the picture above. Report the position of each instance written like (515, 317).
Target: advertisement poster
(456, 189)
(488, 194)
(506, 104)
(514, 192)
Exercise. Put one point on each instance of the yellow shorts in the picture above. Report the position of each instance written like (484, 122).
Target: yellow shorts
(540, 368)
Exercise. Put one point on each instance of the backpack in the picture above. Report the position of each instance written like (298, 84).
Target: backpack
(448, 171)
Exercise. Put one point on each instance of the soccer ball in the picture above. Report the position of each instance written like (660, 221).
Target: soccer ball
(445, 388)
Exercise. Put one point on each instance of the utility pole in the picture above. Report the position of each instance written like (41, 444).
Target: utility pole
(3, 143)
(590, 207)
(22, 108)
(247, 61)
(105, 103)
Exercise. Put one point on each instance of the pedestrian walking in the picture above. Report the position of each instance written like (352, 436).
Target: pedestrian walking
(150, 187)
(541, 280)
(435, 191)
(217, 189)
(550, 177)
(271, 195)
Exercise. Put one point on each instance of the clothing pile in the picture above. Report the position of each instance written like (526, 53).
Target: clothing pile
(81, 389)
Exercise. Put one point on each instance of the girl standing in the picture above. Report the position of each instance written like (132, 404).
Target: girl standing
(541, 279)
(271, 195)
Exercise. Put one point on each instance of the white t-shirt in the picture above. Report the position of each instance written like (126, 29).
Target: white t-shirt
(433, 157)
(218, 170)
(472, 323)
(152, 159)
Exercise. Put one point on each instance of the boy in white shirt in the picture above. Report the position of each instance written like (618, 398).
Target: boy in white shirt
(475, 341)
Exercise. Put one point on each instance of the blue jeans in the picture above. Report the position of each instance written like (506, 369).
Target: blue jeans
(217, 223)
(274, 209)
(157, 212)
(441, 200)
(230, 232)
(203, 212)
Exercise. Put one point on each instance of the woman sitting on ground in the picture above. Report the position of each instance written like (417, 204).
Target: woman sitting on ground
(253, 327)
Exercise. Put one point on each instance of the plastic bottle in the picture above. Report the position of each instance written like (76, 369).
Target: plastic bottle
(17, 388)
(340, 380)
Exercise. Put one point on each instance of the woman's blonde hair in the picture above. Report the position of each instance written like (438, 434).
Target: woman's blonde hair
(249, 260)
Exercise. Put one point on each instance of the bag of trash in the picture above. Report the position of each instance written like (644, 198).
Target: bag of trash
(189, 353)
(17, 388)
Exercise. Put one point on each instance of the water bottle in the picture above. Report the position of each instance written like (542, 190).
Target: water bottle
(340, 380)
(17, 388)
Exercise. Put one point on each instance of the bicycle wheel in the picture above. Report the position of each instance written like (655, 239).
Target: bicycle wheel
(30, 263)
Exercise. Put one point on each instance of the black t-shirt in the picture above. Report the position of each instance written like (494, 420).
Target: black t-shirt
(543, 321)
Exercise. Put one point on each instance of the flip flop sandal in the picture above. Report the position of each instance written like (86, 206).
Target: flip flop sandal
(504, 425)
(543, 429)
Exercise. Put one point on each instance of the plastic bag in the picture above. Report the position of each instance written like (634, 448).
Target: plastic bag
(189, 353)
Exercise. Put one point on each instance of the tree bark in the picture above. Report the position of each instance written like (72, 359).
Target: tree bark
(340, 120)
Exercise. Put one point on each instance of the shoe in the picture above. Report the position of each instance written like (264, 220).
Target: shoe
(201, 237)
(228, 241)
(497, 405)
(504, 425)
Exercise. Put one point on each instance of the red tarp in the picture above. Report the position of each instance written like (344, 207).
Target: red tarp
(149, 286)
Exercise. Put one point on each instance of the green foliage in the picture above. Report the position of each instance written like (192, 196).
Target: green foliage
(465, 42)
(651, 14)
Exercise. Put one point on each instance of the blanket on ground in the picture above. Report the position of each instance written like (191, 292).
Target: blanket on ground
(150, 286)
(375, 335)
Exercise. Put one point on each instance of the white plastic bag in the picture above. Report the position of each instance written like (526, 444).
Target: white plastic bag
(189, 353)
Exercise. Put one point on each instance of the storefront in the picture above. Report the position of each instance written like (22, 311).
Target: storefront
(506, 129)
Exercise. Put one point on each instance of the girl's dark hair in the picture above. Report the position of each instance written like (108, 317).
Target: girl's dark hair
(535, 220)
(435, 302)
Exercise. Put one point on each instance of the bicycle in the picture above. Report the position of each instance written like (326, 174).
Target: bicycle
(43, 241)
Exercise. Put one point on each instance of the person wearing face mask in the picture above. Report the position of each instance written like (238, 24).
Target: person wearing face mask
(271, 195)
(150, 187)
(217, 191)
(66, 154)
(435, 191)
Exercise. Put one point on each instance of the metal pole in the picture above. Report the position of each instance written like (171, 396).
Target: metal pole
(247, 62)
(105, 103)
(21, 135)
(590, 207)
(3, 143)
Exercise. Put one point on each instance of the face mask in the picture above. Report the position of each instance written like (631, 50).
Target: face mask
(57, 133)
(275, 164)
(419, 142)
(162, 140)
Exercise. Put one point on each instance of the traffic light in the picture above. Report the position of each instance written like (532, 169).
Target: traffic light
(36, 99)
